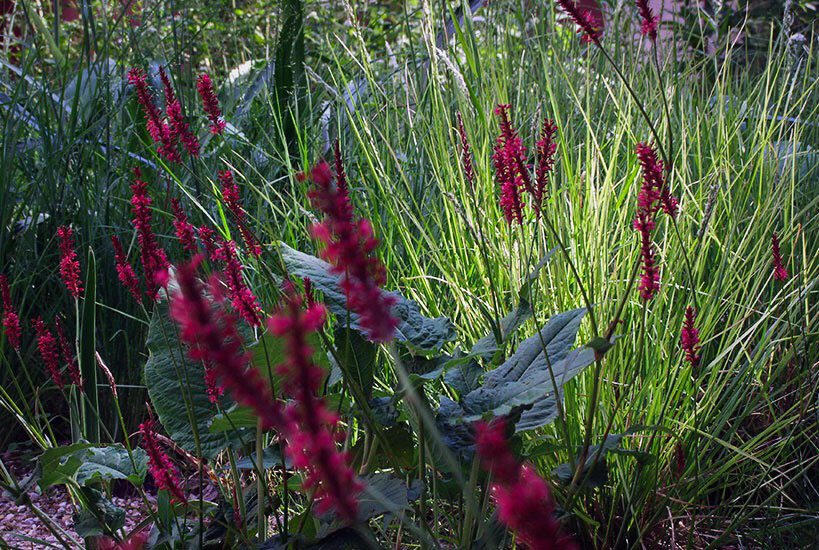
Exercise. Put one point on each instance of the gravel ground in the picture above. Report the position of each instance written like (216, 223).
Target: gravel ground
(18, 522)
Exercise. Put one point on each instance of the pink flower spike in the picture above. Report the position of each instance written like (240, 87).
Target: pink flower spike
(163, 472)
(183, 228)
(350, 246)
(648, 21)
(230, 194)
(546, 149)
(68, 355)
(69, 265)
(154, 261)
(212, 336)
(780, 273)
(310, 425)
(241, 298)
(690, 338)
(523, 498)
(211, 104)
(124, 270)
(157, 128)
(588, 25)
(510, 169)
(47, 345)
(11, 321)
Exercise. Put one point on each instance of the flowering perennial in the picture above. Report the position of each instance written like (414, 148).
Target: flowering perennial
(69, 265)
(648, 21)
(241, 298)
(124, 270)
(158, 129)
(652, 196)
(163, 472)
(523, 498)
(182, 227)
(213, 339)
(546, 149)
(68, 355)
(587, 24)
(179, 126)
(309, 424)
(349, 247)
(211, 104)
(11, 321)
(154, 260)
(509, 167)
(780, 273)
(208, 238)
(230, 194)
(690, 338)
(47, 345)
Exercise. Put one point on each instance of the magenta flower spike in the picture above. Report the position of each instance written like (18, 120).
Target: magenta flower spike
(11, 321)
(780, 273)
(69, 265)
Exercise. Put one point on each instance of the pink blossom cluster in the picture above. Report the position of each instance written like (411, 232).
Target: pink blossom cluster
(163, 472)
(11, 321)
(125, 272)
(158, 129)
(68, 354)
(244, 302)
(180, 130)
(648, 21)
(780, 273)
(511, 169)
(309, 424)
(211, 104)
(652, 196)
(69, 265)
(213, 339)
(47, 346)
(182, 227)
(588, 26)
(690, 338)
(508, 157)
(523, 498)
(349, 246)
(154, 261)
(230, 194)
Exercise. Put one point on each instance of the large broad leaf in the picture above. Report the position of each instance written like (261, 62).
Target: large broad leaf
(98, 516)
(176, 386)
(420, 333)
(112, 462)
(357, 356)
(527, 381)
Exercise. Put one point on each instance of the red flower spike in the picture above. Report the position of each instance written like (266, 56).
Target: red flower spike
(588, 26)
(690, 338)
(310, 425)
(211, 104)
(466, 154)
(230, 194)
(523, 498)
(212, 336)
(154, 260)
(182, 227)
(69, 265)
(648, 21)
(47, 346)
(652, 196)
(241, 298)
(11, 321)
(508, 157)
(68, 355)
(163, 472)
(208, 238)
(780, 273)
(179, 126)
(349, 246)
(546, 149)
(160, 132)
(124, 270)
